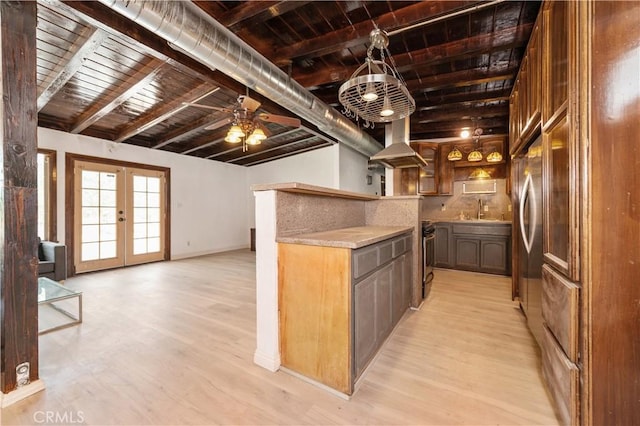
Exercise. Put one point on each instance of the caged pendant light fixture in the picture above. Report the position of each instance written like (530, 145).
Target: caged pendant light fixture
(376, 92)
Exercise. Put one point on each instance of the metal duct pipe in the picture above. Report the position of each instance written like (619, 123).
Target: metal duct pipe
(191, 30)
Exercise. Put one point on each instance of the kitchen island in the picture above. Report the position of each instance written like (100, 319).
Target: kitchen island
(341, 293)
(289, 211)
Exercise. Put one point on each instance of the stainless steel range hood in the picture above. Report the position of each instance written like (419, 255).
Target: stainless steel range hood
(398, 154)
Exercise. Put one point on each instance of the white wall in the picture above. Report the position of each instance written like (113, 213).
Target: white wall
(209, 206)
(318, 167)
(354, 172)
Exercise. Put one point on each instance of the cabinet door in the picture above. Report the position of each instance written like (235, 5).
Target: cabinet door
(364, 322)
(560, 199)
(555, 57)
(495, 255)
(398, 297)
(383, 304)
(467, 253)
(443, 246)
(427, 177)
(408, 278)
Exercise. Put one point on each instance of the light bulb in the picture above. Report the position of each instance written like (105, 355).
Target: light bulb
(386, 108)
(370, 93)
(465, 133)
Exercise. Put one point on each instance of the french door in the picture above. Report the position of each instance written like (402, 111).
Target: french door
(119, 216)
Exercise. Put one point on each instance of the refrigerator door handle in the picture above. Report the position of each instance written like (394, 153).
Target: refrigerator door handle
(528, 192)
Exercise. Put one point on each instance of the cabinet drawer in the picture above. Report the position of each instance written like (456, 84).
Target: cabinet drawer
(385, 252)
(561, 376)
(365, 260)
(399, 246)
(488, 229)
(560, 310)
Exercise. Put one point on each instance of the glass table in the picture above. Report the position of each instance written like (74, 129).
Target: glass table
(55, 302)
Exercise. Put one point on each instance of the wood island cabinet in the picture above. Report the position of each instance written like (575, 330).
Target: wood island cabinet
(338, 306)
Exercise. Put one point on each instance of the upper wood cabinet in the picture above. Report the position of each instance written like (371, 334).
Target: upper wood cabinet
(428, 176)
(525, 103)
(556, 58)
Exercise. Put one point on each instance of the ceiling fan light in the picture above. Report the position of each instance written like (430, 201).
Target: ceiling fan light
(465, 133)
(454, 155)
(236, 131)
(253, 140)
(494, 157)
(232, 139)
(474, 155)
(387, 110)
(258, 134)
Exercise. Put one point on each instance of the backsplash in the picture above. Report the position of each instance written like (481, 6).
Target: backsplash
(498, 204)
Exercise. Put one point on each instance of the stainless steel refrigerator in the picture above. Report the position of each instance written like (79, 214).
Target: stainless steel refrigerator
(528, 224)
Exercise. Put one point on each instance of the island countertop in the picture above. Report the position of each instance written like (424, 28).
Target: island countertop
(353, 238)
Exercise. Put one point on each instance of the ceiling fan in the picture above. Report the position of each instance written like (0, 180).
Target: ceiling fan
(247, 124)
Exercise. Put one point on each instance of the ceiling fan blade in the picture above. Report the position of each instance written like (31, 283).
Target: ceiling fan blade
(280, 119)
(207, 107)
(219, 123)
(266, 131)
(248, 103)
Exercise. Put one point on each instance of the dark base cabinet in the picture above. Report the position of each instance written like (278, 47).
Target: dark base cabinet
(381, 295)
(474, 246)
(443, 247)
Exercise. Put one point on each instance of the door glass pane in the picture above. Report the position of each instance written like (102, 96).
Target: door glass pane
(139, 199)
(108, 198)
(140, 183)
(108, 181)
(90, 179)
(90, 197)
(90, 215)
(139, 230)
(108, 232)
(559, 191)
(153, 184)
(108, 249)
(90, 233)
(140, 246)
(107, 215)
(90, 251)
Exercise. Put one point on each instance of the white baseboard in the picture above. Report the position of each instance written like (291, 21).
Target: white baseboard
(269, 362)
(21, 393)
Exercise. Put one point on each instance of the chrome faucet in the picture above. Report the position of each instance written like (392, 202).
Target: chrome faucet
(480, 214)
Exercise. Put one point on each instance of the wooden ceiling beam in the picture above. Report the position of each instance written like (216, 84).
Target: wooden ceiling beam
(418, 135)
(250, 12)
(461, 114)
(464, 103)
(99, 15)
(164, 111)
(71, 64)
(460, 79)
(126, 90)
(471, 47)
(457, 125)
(445, 100)
(183, 132)
(359, 33)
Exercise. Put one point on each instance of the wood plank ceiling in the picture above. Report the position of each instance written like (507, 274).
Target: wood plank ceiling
(102, 75)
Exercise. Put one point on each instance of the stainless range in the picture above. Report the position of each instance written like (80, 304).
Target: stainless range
(428, 255)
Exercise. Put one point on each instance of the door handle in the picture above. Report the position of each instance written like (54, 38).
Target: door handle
(527, 239)
(122, 219)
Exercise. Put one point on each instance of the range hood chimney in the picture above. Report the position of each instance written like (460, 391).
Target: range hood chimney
(398, 154)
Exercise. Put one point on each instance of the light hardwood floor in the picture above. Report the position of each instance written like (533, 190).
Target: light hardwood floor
(172, 343)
